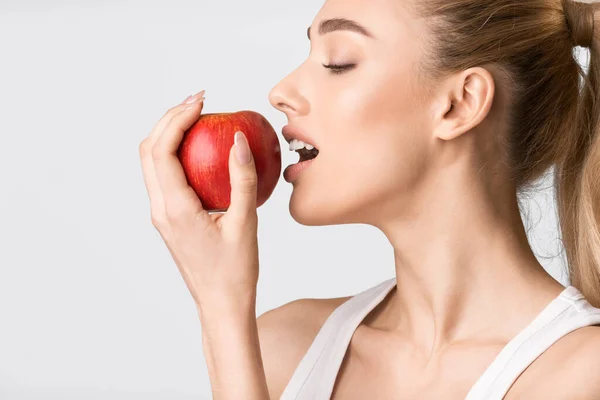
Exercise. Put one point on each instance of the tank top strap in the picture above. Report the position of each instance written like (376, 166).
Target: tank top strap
(566, 313)
(315, 376)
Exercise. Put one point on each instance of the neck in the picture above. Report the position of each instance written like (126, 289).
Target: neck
(463, 263)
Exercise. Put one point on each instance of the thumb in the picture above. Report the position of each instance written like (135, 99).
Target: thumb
(243, 179)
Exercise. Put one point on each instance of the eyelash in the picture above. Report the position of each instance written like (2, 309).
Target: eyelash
(336, 69)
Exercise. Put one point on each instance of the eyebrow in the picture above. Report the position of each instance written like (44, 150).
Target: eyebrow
(340, 24)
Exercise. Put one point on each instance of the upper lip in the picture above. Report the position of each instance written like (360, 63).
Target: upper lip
(289, 132)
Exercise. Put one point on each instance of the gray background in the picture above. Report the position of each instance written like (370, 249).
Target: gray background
(91, 304)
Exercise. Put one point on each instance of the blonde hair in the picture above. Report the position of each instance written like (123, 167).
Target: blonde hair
(553, 121)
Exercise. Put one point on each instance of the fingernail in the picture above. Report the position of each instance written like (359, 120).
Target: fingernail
(197, 97)
(242, 150)
(191, 99)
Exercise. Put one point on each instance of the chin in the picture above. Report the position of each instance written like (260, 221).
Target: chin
(313, 209)
(306, 212)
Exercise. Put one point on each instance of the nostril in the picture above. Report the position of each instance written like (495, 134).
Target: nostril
(284, 106)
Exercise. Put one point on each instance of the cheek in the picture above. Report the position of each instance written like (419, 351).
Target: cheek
(386, 164)
(384, 142)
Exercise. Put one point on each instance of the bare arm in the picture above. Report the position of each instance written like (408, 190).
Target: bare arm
(247, 355)
(216, 254)
(232, 350)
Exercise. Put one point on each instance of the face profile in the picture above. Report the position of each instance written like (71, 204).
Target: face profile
(363, 100)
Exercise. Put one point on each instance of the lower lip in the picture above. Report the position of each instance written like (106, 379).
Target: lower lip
(292, 172)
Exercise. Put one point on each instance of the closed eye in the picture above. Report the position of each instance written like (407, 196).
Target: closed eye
(336, 69)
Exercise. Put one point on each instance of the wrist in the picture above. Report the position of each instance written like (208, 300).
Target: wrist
(220, 303)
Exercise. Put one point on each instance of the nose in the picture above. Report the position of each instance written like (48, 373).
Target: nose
(287, 98)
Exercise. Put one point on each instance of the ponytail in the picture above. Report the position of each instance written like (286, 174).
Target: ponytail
(578, 172)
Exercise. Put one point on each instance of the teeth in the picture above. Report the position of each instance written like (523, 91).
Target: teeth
(296, 144)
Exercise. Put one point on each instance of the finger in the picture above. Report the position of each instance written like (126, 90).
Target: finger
(244, 181)
(178, 196)
(164, 121)
(157, 207)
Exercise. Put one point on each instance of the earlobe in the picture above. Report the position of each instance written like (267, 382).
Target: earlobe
(467, 103)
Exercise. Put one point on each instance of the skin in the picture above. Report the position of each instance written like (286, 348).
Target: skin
(434, 182)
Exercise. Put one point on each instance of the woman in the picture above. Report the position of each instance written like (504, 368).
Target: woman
(428, 117)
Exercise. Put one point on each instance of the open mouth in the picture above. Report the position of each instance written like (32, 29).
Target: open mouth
(306, 154)
(306, 150)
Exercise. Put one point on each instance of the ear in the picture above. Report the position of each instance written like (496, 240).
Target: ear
(465, 103)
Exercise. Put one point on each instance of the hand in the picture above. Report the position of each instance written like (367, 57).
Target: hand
(217, 254)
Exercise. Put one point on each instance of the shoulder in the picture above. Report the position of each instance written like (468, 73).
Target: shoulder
(286, 333)
(570, 368)
(581, 368)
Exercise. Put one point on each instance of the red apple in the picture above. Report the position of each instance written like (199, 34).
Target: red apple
(204, 155)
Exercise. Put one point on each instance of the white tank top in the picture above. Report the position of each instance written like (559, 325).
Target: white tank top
(315, 376)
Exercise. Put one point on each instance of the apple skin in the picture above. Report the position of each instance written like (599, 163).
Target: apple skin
(204, 156)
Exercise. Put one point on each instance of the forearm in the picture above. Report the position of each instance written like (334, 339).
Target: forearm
(232, 349)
